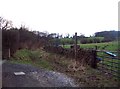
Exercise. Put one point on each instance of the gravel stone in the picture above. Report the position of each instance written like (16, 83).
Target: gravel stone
(34, 77)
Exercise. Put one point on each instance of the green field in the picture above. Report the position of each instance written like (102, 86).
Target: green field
(109, 63)
(110, 46)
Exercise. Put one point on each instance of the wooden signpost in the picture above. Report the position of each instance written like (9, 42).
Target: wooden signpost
(75, 66)
(75, 46)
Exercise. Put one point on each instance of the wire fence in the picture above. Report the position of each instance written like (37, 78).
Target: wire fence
(109, 63)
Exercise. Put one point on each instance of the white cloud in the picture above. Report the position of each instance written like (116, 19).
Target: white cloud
(62, 16)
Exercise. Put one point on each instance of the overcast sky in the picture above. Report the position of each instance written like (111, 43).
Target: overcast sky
(62, 16)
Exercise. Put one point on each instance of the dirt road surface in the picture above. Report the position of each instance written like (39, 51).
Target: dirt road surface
(34, 77)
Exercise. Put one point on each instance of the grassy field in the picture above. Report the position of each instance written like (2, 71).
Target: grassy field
(85, 78)
(109, 63)
(110, 46)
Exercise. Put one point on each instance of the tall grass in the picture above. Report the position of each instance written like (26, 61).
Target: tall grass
(25, 56)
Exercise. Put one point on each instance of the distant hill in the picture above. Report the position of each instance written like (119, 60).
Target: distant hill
(108, 35)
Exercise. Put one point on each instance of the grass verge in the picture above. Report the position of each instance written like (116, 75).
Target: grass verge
(84, 78)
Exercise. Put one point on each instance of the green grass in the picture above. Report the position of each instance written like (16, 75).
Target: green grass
(88, 77)
(22, 54)
(110, 46)
(39, 63)
(25, 56)
(111, 63)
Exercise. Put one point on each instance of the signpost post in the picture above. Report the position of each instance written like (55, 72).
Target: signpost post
(75, 66)
(75, 47)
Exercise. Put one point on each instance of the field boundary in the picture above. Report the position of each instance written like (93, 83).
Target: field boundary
(109, 62)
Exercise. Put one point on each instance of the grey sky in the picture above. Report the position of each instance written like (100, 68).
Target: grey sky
(62, 16)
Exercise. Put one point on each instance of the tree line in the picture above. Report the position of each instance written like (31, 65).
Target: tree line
(14, 38)
(99, 37)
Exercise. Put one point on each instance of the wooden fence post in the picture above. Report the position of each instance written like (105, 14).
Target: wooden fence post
(94, 60)
(76, 46)
(9, 53)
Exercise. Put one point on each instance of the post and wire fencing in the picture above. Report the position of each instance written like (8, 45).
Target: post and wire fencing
(109, 62)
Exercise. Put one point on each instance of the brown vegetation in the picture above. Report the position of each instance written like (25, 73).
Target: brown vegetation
(85, 57)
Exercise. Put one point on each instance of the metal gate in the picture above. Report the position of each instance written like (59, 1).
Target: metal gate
(109, 62)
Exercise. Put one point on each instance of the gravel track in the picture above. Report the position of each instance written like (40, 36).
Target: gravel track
(34, 77)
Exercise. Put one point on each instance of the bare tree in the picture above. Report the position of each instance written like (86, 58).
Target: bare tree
(5, 24)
